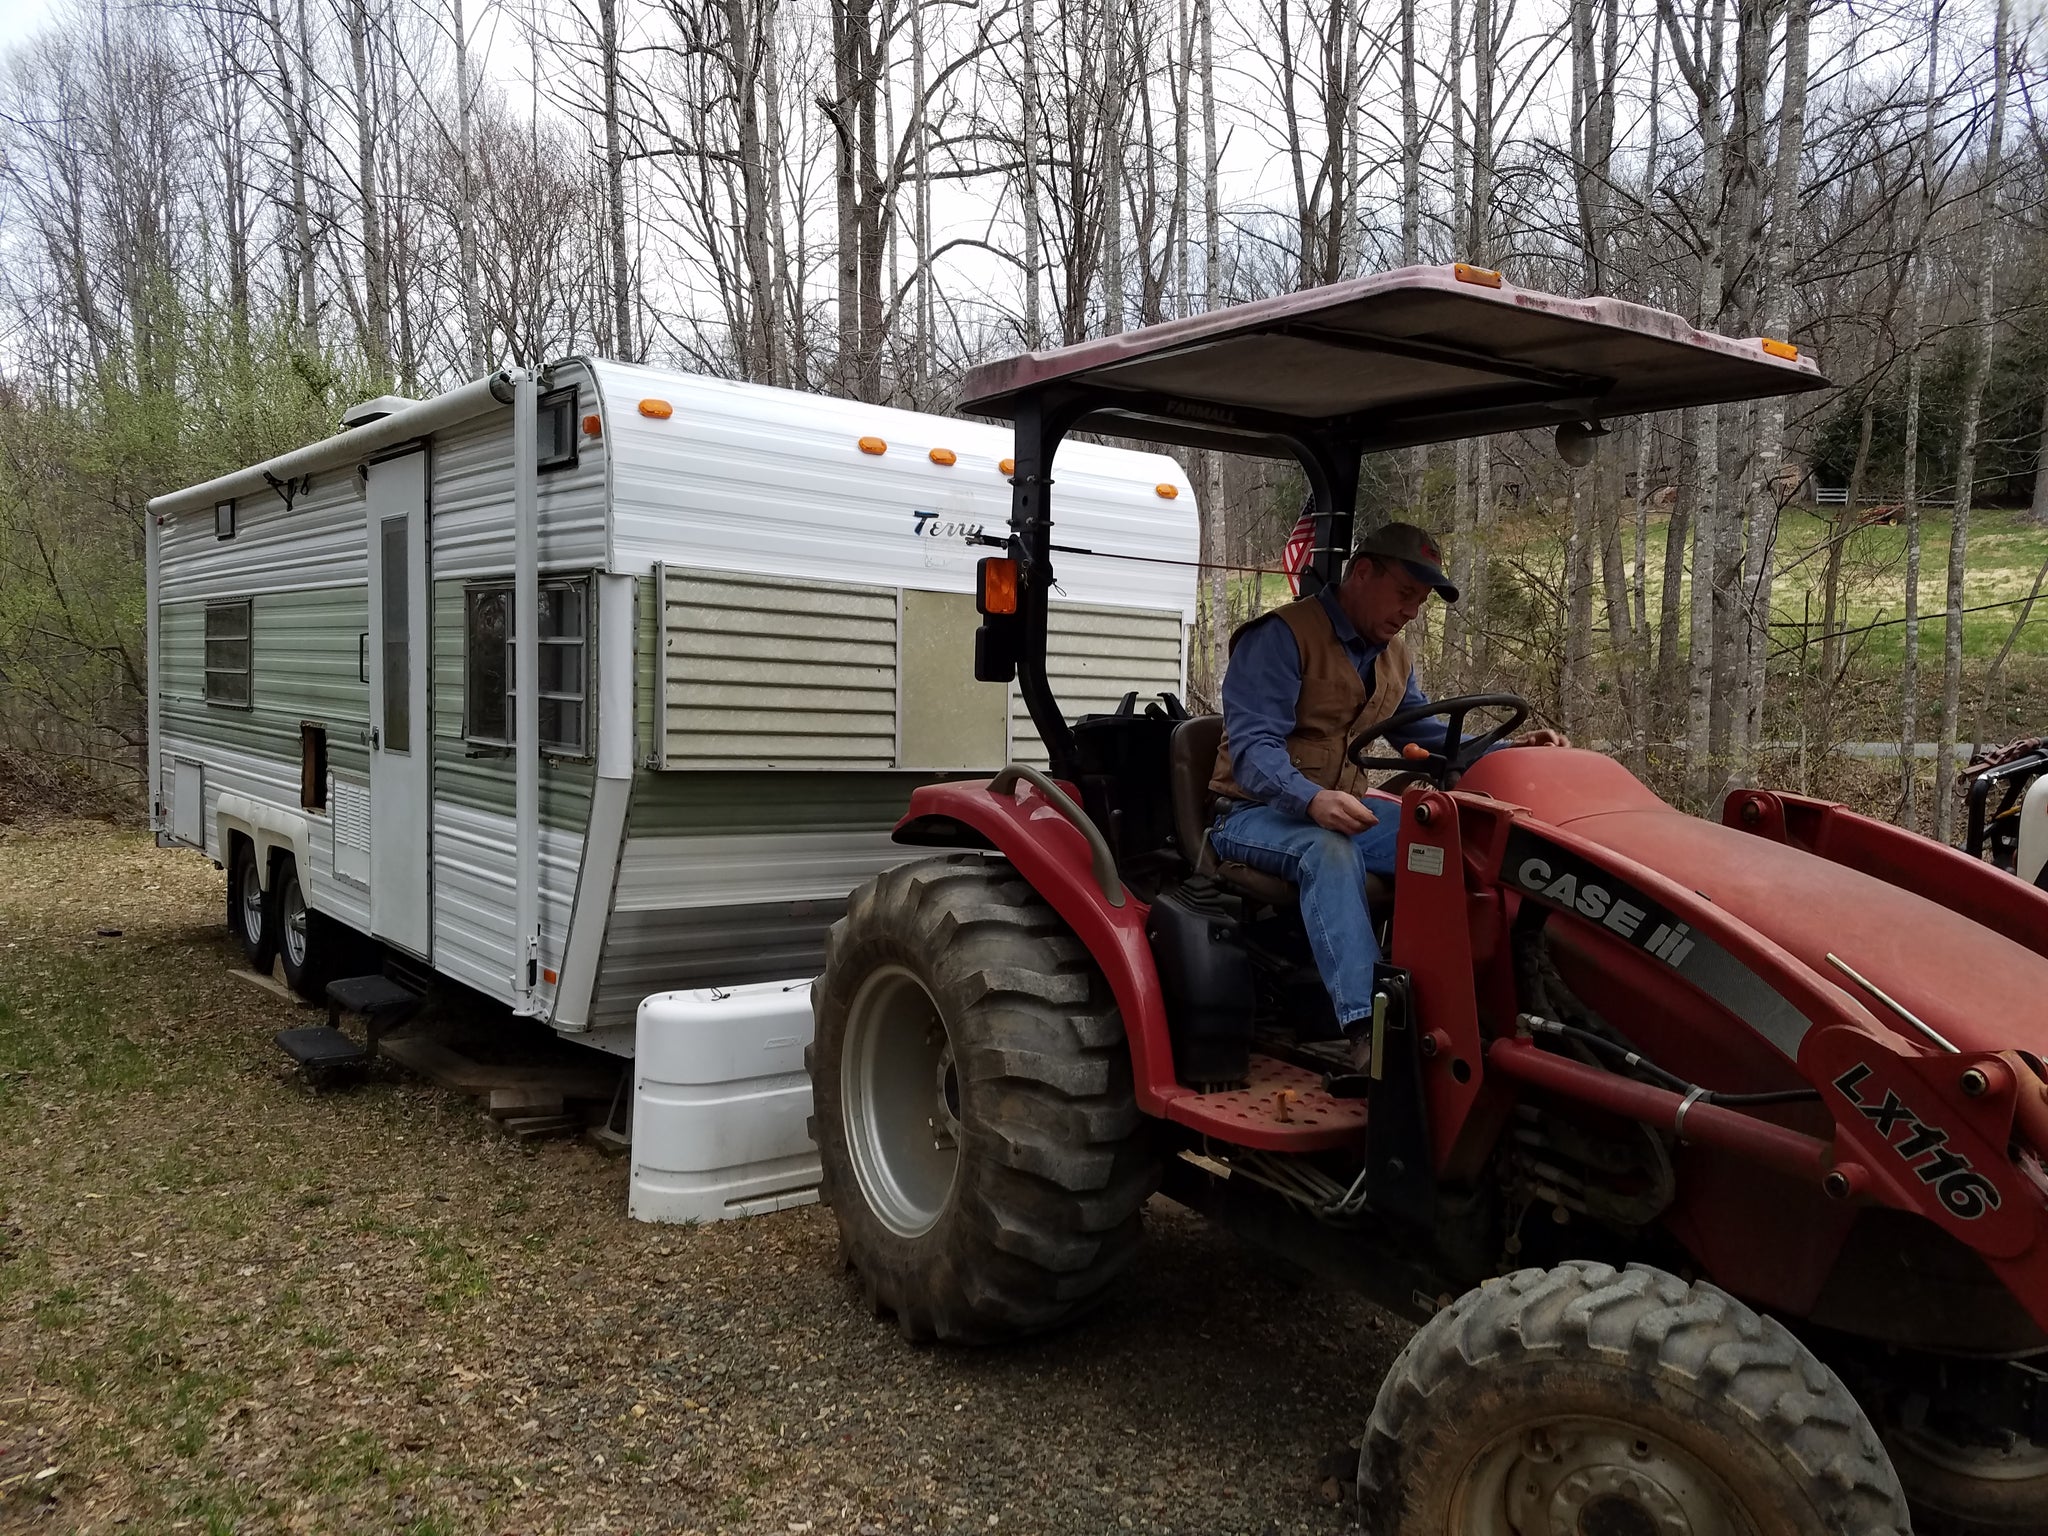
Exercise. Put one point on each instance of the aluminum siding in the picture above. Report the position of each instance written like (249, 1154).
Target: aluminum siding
(318, 543)
(472, 496)
(1094, 656)
(303, 666)
(750, 479)
(763, 673)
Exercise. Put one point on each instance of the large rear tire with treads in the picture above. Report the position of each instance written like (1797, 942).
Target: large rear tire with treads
(1588, 1399)
(982, 1149)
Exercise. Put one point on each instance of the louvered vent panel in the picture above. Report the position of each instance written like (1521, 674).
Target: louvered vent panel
(1094, 656)
(762, 673)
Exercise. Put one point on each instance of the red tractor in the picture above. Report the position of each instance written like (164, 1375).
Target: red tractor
(1708, 1154)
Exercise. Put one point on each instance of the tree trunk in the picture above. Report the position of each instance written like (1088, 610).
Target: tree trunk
(1703, 77)
(1776, 283)
(2037, 509)
(1213, 515)
(1917, 280)
(1839, 533)
(1575, 688)
(1178, 225)
(376, 295)
(294, 84)
(1416, 460)
(1034, 325)
(787, 351)
(849, 62)
(1112, 189)
(1966, 453)
(921, 209)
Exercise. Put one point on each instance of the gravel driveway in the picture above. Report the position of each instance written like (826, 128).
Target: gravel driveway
(229, 1305)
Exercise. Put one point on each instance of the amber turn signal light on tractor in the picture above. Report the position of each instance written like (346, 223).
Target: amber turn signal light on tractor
(995, 585)
(999, 640)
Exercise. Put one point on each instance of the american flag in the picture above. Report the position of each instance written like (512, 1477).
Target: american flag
(1300, 543)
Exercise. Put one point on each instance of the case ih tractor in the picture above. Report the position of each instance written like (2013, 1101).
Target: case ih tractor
(1707, 1153)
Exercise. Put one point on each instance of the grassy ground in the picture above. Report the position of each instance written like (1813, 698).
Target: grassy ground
(228, 1305)
(2006, 552)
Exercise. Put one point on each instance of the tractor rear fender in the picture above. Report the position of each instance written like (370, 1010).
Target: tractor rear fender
(1910, 1132)
(1944, 875)
(1035, 824)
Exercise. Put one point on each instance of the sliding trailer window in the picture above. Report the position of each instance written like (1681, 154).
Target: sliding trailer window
(489, 667)
(228, 659)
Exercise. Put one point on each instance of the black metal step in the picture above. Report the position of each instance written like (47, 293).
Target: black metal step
(378, 998)
(320, 1047)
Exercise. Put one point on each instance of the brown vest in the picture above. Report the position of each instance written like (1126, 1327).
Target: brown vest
(1332, 707)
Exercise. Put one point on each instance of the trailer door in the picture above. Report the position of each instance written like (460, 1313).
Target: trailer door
(401, 727)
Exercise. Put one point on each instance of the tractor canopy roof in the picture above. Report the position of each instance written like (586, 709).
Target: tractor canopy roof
(1418, 355)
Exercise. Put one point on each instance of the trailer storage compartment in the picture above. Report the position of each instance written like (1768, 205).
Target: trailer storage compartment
(720, 1103)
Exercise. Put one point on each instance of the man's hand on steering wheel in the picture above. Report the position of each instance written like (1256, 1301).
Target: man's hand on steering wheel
(1460, 752)
(1542, 736)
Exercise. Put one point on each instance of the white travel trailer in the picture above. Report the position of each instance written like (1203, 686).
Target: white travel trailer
(755, 614)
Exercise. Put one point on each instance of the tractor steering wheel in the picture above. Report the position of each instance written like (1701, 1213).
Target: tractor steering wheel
(1443, 769)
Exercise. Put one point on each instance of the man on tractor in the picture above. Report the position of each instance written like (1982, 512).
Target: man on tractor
(1304, 681)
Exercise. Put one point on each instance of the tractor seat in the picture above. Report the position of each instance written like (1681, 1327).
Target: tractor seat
(1191, 759)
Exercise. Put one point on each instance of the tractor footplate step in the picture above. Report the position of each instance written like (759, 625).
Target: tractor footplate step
(320, 1047)
(1280, 1108)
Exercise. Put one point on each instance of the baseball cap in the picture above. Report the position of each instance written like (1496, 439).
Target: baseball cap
(1413, 547)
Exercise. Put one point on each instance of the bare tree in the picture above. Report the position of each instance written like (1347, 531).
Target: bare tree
(1972, 422)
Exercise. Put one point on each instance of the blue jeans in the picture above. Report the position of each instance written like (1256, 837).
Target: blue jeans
(1330, 870)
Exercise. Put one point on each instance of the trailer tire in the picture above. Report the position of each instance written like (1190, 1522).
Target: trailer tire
(309, 943)
(249, 906)
(1589, 1398)
(955, 1007)
(1958, 1491)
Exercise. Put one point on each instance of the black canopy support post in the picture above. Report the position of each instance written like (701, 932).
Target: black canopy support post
(1331, 463)
(1042, 418)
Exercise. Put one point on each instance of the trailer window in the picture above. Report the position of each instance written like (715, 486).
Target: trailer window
(555, 431)
(490, 716)
(227, 654)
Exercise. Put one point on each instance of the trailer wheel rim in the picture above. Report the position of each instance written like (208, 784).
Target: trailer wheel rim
(293, 909)
(1574, 1475)
(2021, 1461)
(250, 902)
(900, 1097)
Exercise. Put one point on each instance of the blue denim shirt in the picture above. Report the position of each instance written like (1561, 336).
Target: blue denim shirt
(1260, 690)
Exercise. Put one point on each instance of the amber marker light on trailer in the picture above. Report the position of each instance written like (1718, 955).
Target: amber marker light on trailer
(995, 585)
(660, 410)
(1481, 277)
(943, 456)
(873, 445)
(1783, 349)
(1166, 492)
(593, 426)
(1007, 466)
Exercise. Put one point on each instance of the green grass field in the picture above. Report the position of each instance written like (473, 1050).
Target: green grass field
(2006, 553)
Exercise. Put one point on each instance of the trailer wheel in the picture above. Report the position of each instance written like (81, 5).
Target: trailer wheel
(1958, 1489)
(1589, 1401)
(981, 1146)
(249, 907)
(308, 942)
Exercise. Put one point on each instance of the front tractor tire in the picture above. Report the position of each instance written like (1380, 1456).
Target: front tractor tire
(982, 1149)
(1584, 1399)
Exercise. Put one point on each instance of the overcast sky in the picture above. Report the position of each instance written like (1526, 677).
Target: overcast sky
(19, 18)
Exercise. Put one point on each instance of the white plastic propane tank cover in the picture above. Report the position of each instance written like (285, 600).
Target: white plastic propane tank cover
(721, 1103)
